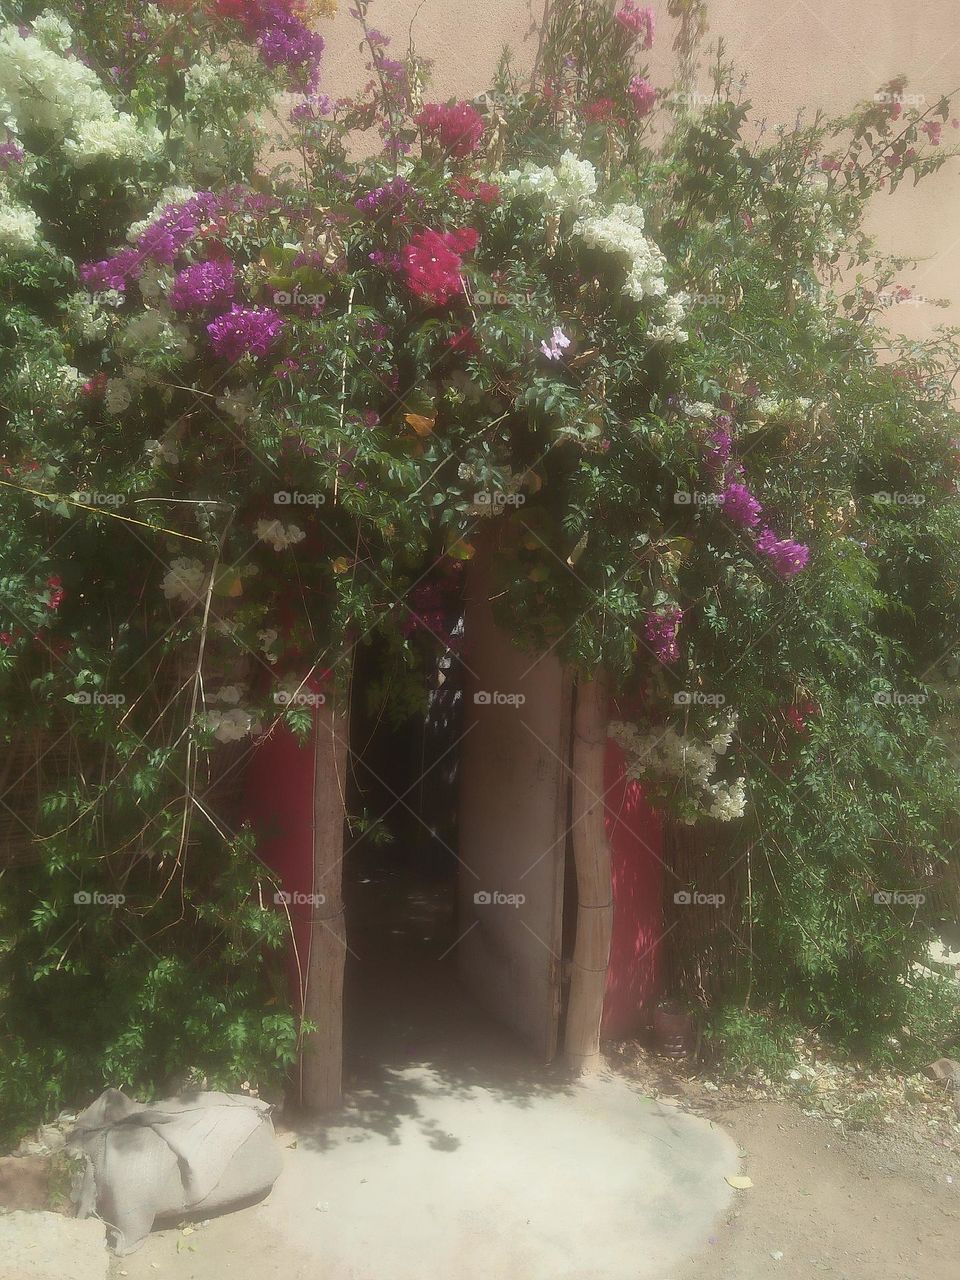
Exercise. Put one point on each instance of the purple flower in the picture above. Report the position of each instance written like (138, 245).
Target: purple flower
(243, 329)
(392, 194)
(788, 557)
(176, 227)
(10, 154)
(719, 444)
(203, 285)
(741, 506)
(557, 345)
(112, 273)
(660, 629)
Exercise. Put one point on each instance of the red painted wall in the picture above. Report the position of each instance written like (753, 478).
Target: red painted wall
(278, 803)
(635, 833)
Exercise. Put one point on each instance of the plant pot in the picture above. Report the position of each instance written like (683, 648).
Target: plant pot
(674, 1030)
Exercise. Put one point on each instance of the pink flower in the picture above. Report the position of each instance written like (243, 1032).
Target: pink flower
(639, 22)
(644, 95)
(432, 263)
(933, 129)
(557, 345)
(457, 128)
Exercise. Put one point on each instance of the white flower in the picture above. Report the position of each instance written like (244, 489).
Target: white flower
(238, 404)
(278, 535)
(117, 396)
(566, 189)
(266, 642)
(53, 31)
(43, 89)
(19, 226)
(229, 695)
(674, 311)
(185, 580)
(232, 725)
(161, 451)
(85, 315)
(620, 232)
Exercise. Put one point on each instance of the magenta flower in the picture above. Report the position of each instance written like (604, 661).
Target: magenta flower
(660, 629)
(112, 273)
(788, 557)
(639, 22)
(432, 263)
(741, 506)
(719, 443)
(934, 131)
(643, 95)
(245, 329)
(457, 128)
(203, 285)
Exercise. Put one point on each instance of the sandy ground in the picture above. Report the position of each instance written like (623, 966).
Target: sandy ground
(857, 1206)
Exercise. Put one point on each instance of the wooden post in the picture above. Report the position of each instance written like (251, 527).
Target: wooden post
(591, 852)
(322, 1051)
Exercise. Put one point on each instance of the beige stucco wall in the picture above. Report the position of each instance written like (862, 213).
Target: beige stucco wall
(809, 54)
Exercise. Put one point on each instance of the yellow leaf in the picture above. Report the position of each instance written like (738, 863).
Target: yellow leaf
(738, 1181)
(341, 564)
(421, 425)
(461, 550)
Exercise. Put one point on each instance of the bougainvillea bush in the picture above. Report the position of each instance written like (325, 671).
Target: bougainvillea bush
(261, 407)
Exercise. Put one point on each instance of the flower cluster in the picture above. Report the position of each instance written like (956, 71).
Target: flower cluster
(245, 330)
(567, 188)
(786, 556)
(642, 94)
(680, 768)
(203, 285)
(46, 90)
(741, 506)
(19, 227)
(278, 535)
(639, 22)
(433, 261)
(386, 199)
(660, 628)
(457, 127)
(621, 232)
(281, 34)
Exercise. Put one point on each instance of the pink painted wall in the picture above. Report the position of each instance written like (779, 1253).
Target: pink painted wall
(635, 833)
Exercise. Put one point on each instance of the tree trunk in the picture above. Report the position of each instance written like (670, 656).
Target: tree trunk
(322, 1051)
(591, 852)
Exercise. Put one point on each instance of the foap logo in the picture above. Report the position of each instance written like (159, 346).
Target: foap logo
(96, 698)
(89, 499)
(491, 498)
(694, 698)
(689, 898)
(281, 298)
(88, 898)
(499, 298)
(488, 698)
(293, 498)
(298, 698)
(900, 499)
(297, 899)
(494, 898)
(692, 98)
(898, 898)
(697, 498)
(904, 99)
(893, 699)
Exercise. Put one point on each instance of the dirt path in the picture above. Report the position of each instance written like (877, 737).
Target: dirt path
(859, 1206)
